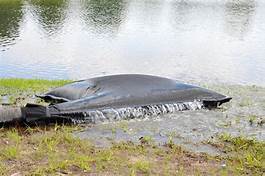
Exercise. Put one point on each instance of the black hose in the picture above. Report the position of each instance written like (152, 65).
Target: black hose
(10, 113)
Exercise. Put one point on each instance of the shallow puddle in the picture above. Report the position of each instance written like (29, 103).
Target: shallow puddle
(244, 115)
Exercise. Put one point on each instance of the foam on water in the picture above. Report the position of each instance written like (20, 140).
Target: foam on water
(141, 112)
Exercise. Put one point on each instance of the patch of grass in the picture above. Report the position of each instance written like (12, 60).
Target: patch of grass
(10, 145)
(58, 3)
(146, 140)
(84, 162)
(54, 150)
(59, 151)
(247, 155)
(21, 91)
(13, 135)
(11, 86)
(10, 152)
(2, 169)
(11, 3)
(142, 166)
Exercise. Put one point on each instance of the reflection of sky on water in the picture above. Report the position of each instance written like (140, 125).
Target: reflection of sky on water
(185, 39)
(50, 14)
(238, 17)
(103, 16)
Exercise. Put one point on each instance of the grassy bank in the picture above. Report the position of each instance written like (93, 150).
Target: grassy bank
(53, 150)
(27, 86)
(21, 91)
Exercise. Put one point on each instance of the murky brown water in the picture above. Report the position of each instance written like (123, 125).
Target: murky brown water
(190, 40)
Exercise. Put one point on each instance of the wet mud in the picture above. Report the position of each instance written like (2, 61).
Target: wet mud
(243, 116)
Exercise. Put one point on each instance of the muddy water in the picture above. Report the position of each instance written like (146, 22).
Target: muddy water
(245, 116)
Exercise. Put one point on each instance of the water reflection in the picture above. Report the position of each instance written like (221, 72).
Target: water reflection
(10, 17)
(148, 12)
(181, 11)
(50, 14)
(191, 40)
(238, 17)
(104, 16)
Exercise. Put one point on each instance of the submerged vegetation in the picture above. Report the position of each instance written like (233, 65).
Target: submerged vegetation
(54, 149)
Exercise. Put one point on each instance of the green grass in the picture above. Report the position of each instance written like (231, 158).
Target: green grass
(10, 2)
(247, 155)
(19, 91)
(146, 140)
(14, 85)
(2, 169)
(54, 150)
(10, 152)
(142, 166)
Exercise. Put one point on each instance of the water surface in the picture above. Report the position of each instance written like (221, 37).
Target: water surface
(243, 116)
(189, 40)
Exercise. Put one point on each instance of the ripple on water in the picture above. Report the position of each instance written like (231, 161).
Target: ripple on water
(199, 40)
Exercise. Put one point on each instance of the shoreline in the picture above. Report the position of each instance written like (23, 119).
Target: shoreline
(58, 150)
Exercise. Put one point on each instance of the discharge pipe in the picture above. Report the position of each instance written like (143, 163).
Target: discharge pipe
(10, 113)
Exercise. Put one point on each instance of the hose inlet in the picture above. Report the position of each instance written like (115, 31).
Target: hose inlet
(10, 113)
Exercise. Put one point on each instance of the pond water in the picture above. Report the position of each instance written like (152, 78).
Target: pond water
(190, 40)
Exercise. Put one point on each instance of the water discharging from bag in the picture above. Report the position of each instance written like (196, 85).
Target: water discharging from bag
(141, 112)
